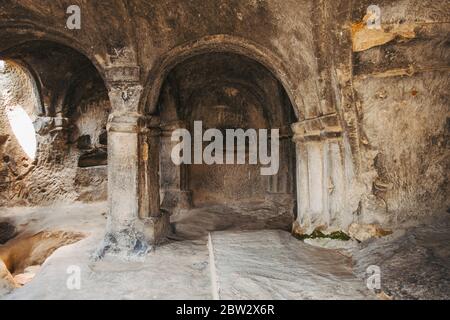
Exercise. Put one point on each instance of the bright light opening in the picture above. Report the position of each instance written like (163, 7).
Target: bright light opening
(2, 66)
(22, 127)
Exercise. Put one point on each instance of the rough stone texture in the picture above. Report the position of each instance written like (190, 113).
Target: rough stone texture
(404, 111)
(371, 126)
(7, 231)
(29, 250)
(414, 263)
(7, 283)
(109, 278)
(366, 231)
(280, 267)
(196, 223)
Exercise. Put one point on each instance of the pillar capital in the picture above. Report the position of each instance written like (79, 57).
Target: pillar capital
(43, 124)
(149, 125)
(168, 127)
(124, 89)
(131, 123)
(153, 122)
(125, 97)
(316, 129)
(285, 132)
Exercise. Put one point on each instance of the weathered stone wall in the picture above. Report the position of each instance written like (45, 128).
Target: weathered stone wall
(387, 87)
(16, 89)
(400, 82)
(54, 175)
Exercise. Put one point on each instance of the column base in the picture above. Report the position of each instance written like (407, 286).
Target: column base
(175, 200)
(301, 231)
(156, 229)
(134, 239)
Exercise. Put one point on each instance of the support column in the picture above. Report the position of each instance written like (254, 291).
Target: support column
(156, 221)
(134, 221)
(282, 182)
(320, 183)
(150, 146)
(174, 178)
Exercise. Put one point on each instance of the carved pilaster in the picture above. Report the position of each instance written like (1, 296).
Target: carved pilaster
(150, 147)
(319, 173)
(174, 178)
(282, 182)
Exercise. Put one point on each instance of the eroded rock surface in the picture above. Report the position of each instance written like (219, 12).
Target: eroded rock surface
(274, 265)
(414, 264)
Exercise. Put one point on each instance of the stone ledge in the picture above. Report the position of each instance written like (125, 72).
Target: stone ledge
(323, 127)
(133, 123)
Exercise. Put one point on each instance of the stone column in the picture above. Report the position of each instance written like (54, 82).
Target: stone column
(134, 222)
(319, 174)
(282, 182)
(338, 217)
(174, 178)
(150, 147)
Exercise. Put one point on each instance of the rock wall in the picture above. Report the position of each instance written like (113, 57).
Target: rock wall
(400, 84)
(54, 175)
(388, 85)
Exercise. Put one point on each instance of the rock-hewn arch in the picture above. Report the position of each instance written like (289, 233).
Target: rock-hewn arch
(223, 44)
(258, 64)
(320, 163)
(51, 59)
(74, 63)
(26, 31)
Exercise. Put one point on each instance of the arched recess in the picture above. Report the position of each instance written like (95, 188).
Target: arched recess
(17, 32)
(323, 168)
(227, 90)
(68, 166)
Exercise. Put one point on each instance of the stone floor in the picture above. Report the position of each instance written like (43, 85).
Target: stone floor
(271, 264)
(227, 264)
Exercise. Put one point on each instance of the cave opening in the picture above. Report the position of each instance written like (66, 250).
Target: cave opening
(226, 91)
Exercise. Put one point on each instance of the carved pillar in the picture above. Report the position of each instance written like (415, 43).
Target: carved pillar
(150, 146)
(174, 177)
(134, 220)
(319, 174)
(282, 182)
(281, 185)
(338, 217)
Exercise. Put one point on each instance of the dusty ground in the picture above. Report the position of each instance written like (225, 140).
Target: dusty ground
(236, 264)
